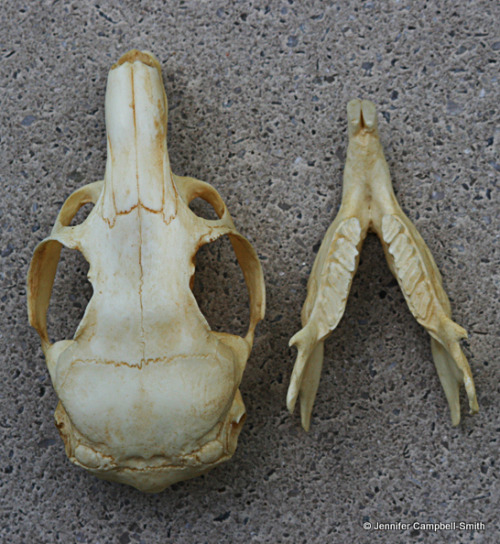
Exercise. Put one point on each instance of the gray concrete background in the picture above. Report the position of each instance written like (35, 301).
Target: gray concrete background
(257, 94)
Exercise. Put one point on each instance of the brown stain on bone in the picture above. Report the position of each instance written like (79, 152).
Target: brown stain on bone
(141, 56)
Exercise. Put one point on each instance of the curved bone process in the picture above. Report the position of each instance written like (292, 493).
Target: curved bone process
(369, 204)
(148, 393)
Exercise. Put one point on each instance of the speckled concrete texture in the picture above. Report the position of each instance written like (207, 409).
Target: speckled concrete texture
(257, 94)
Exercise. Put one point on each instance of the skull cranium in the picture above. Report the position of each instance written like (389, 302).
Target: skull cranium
(148, 393)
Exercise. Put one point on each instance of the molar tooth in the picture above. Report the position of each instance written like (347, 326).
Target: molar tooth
(406, 253)
(421, 298)
(406, 264)
(411, 276)
(346, 254)
(398, 246)
(351, 229)
(339, 278)
(390, 227)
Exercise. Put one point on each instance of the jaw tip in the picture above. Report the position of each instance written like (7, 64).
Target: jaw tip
(361, 115)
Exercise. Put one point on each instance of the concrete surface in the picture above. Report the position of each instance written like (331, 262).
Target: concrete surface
(257, 94)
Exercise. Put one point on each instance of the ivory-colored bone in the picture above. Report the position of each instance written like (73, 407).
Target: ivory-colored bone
(369, 204)
(148, 393)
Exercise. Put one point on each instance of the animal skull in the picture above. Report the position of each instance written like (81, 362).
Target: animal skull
(369, 204)
(148, 393)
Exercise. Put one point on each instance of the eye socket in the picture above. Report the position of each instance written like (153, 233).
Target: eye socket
(70, 295)
(205, 201)
(219, 288)
(82, 214)
(203, 208)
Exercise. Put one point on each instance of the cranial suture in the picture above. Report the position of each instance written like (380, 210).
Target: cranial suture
(148, 392)
(369, 204)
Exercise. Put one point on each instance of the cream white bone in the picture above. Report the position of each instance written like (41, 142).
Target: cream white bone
(148, 393)
(369, 204)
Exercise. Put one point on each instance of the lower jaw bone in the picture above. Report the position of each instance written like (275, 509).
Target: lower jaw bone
(369, 204)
